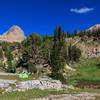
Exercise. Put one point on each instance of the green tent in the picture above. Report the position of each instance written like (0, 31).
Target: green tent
(23, 75)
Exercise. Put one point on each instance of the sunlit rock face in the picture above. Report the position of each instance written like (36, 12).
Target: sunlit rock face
(14, 34)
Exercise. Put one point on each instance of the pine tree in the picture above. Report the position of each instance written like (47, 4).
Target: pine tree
(69, 53)
(1, 54)
(55, 34)
(11, 66)
(75, 33)
(73, 54)
(76, 53)
(59, 33)
(57, 57)
(43, 37)
(68, 34)
(46, 36)
(54, 54)
(72, 35)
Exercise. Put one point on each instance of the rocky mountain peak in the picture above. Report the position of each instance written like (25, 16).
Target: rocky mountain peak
(15, 30)
(14, 34)
(95, 27)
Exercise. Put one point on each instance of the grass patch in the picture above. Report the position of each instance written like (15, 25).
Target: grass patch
(97, 98)
(34, 93)
(87, 73)
(58, 76)
(89, 90)
(37, 93)
(87, 68)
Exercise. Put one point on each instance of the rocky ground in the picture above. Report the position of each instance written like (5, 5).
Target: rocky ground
(81, 96)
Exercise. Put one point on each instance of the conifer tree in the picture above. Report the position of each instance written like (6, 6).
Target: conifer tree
(68, 34)
(69, 53)
(72, 35)
(75, 33)
(76, 53)
(46, 36)
(11, 66)
(43, 37)
(1, 54)
(57, 57)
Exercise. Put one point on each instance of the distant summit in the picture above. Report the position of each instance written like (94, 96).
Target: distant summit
(95, 27)
(14, 34)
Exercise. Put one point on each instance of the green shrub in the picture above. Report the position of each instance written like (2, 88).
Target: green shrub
(31, 68)
(86, 82)
(11, 67)
(58, 76)
(73, 83)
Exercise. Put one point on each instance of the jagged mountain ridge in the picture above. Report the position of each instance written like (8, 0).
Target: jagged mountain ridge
(14, 34)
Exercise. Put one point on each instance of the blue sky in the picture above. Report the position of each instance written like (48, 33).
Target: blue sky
(42, 16)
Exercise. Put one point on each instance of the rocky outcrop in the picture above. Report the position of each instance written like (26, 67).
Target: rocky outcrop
(42, 83)
(14, 34)
(88, 47)
(89, 51)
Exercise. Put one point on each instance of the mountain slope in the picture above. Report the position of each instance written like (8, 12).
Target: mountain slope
(88, 41)
(90, 44)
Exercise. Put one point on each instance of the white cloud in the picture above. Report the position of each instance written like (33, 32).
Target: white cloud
(81, 10)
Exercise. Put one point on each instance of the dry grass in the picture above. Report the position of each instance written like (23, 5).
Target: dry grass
(15, 77)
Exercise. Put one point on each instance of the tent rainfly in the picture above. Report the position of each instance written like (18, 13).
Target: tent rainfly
(23, 75)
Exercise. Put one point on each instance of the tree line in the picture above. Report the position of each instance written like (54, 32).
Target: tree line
(36, 50)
